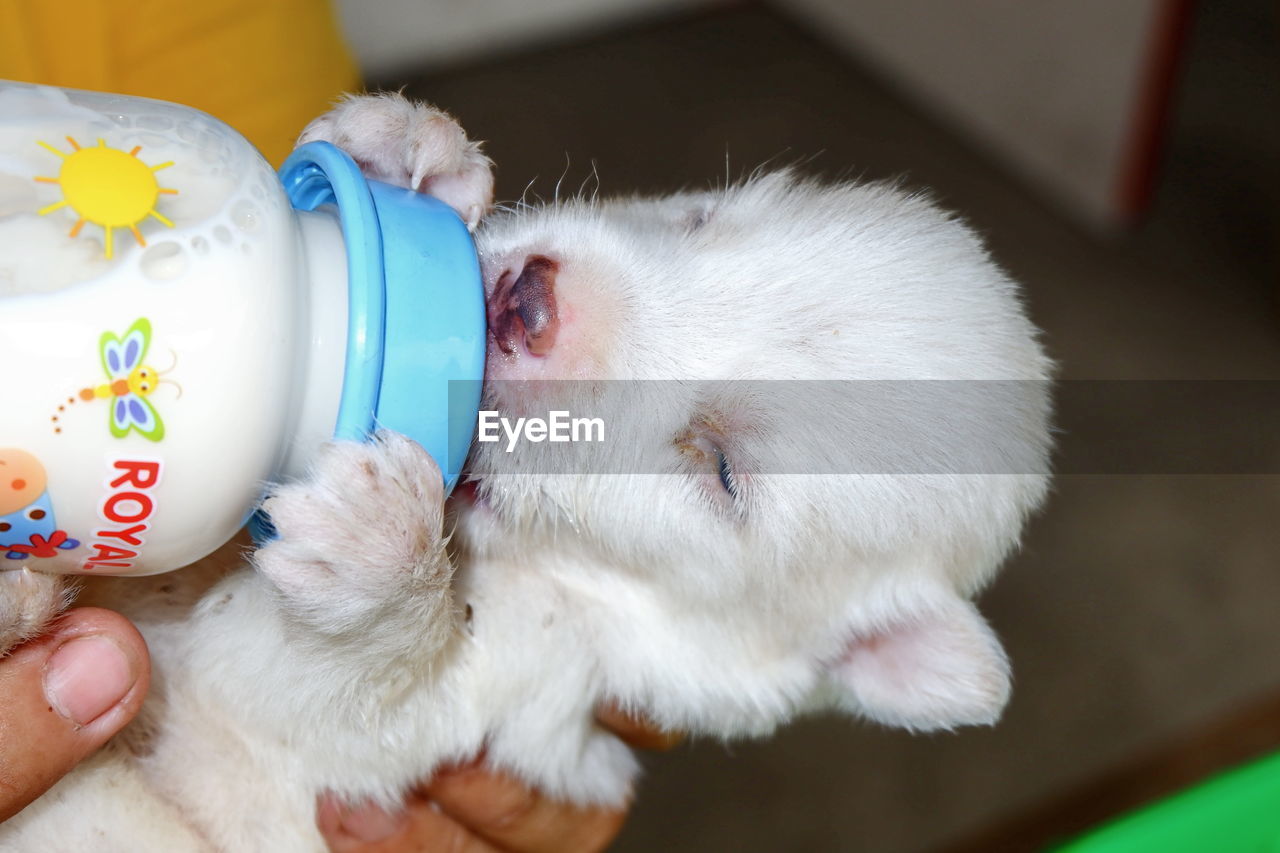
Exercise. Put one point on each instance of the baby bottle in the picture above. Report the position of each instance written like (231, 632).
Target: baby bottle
(180, 326)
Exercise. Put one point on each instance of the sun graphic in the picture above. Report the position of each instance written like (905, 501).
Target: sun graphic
(108, 187)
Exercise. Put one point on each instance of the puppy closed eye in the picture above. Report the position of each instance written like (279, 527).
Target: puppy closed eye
(711, 463)
(725, 473)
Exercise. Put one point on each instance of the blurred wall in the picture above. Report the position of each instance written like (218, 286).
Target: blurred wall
(394, 35)
(1061, 92)
(1068, 95)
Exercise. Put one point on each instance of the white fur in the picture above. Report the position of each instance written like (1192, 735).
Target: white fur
(28, 600)
(366, 650)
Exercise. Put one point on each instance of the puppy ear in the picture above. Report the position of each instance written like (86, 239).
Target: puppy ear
(942, 669)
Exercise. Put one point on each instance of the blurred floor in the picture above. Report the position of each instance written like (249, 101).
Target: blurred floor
(1141, 607)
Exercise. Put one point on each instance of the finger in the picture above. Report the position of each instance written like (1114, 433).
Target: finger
(421, 826)
(635, 730)
(512, 816)
(65, 693)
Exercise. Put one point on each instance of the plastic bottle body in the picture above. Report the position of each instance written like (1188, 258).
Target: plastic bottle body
(171, 336)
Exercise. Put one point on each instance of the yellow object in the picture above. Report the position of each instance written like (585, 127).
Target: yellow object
(107, 187)
(266, 67)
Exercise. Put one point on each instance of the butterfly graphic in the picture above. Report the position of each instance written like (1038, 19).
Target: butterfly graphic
(132, 381)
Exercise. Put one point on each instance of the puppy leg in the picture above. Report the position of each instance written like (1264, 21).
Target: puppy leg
(360, 551)
(412, 145)
(28, 600)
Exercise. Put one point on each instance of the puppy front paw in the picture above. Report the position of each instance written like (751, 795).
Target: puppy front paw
(28, 601)
(412, 145)
(362, 533)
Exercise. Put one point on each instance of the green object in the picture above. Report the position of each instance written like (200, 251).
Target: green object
(1236, 812)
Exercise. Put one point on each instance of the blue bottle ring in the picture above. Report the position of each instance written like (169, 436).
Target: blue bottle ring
(317, 174)
(416, 328)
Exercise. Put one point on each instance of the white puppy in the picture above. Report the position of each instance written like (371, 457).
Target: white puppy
(758, 548)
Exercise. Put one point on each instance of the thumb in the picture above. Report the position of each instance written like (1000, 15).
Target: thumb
(62, 695)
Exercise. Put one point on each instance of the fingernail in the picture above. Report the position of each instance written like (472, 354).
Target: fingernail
(86, 677)
(371, 823)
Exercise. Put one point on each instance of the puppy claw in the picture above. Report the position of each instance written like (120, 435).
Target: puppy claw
(411, 145)
(362, 532)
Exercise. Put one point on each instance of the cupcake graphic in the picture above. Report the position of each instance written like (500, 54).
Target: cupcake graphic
(27, 525)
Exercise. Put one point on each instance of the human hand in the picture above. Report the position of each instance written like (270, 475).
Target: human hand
(64, 694)
(476, 810)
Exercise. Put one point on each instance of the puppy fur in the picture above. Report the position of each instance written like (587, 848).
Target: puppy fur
(364, 648)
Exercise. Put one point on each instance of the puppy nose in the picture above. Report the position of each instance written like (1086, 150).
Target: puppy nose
(523, 308)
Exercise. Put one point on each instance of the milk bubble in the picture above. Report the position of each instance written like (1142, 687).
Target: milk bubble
(164, 261)
(245, 215)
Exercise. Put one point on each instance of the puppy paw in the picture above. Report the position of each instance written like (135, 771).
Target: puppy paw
(412, 145)
(362, 533)
(28, 601)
